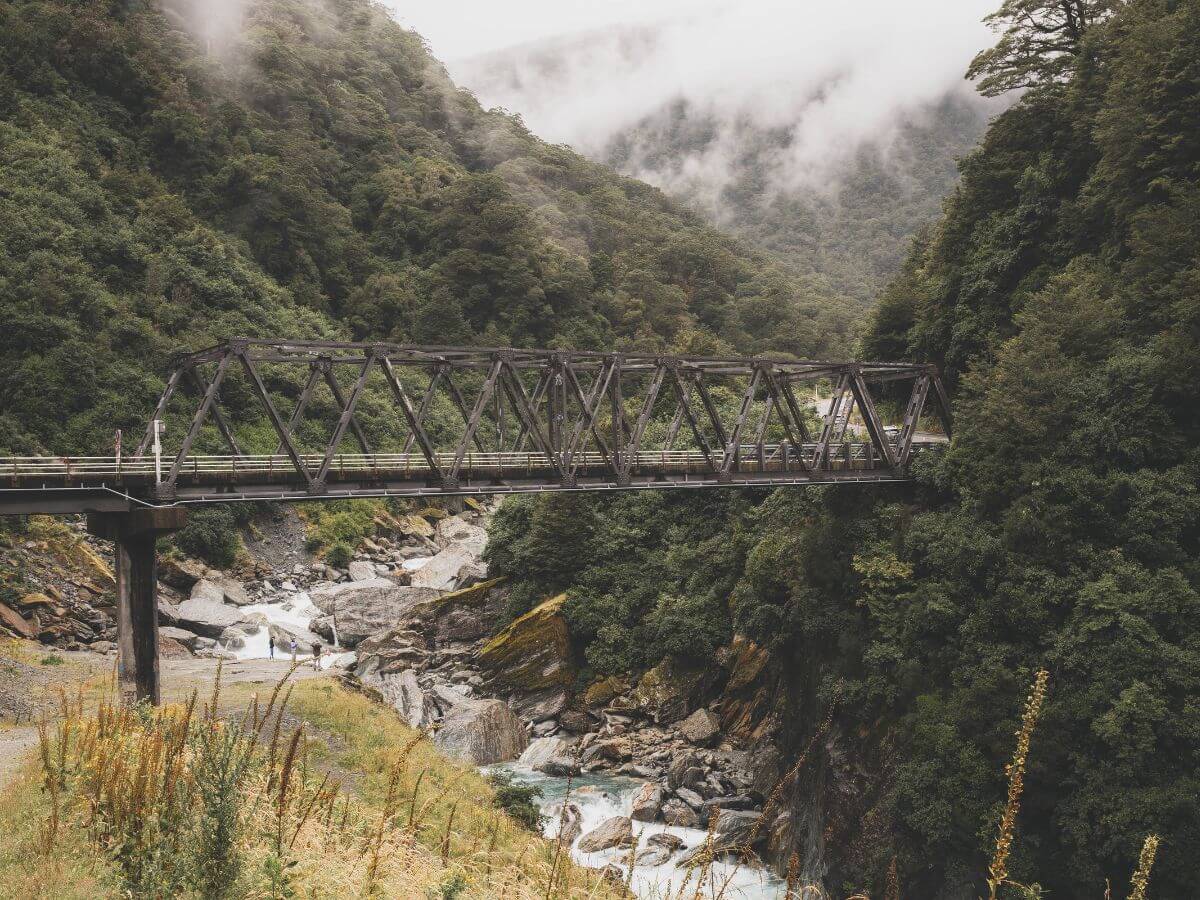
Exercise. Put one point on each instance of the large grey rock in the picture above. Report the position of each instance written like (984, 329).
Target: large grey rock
(482, 732)
(401, 690)
(541, 705)
(647, 801)
(614, 832)
(453, 532)
(205, 616)
(690, 797)
(361, 570)
(570, 824)
(735, 829)
(543, 750)
(659, 848)
(448, 696)
(185, 637)
(679, 769)
(676, 812)
(363, 608)
(233, 638)
(442, 571)
(221, 589)
(552, 756)
(701, 727)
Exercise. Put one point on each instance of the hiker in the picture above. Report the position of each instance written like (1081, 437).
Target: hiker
(271, 645)
(293, 648)
(316, 656)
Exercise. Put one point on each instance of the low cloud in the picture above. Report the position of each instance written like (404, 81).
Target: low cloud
(824, 78)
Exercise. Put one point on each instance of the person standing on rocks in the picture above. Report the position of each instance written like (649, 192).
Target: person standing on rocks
(316, 656)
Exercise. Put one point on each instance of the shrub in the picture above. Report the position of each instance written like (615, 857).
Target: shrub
(339, 555)
(212, 534)
(517, 800)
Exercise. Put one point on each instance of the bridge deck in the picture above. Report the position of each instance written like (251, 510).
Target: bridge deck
(81, 483)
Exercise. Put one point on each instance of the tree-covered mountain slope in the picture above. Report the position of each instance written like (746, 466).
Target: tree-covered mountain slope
(1060, 291)
(852, 228)
(839, 207)
(168, 179)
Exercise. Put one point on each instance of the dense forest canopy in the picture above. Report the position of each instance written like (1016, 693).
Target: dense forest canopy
(1060, 291)
(320, 175)
(313, 172)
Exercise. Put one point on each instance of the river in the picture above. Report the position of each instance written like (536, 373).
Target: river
(601, 797)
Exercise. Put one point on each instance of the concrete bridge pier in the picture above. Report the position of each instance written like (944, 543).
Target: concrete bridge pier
(135, 534)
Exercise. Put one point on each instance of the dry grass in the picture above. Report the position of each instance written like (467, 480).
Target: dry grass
(183, 802)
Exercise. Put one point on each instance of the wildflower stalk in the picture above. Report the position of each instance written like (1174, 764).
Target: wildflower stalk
(998, 870)
(1141, 878)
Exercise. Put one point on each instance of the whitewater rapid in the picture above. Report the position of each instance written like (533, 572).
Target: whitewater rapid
(602, 797)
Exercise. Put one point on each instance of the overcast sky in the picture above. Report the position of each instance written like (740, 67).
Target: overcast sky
(835, 74)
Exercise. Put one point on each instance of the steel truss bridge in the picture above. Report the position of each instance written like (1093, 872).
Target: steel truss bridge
(456, 420)
(468, 420)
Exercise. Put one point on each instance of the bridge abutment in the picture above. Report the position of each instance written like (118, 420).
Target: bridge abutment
(135, 535)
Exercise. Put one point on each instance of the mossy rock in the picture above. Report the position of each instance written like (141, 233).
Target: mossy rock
(475, 595)
(604, 690)
(671, 690)
(532, 653)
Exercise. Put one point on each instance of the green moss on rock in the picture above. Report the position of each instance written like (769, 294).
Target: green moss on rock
(533, 653)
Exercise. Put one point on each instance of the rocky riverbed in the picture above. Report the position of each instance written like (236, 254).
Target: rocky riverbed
(415, 619)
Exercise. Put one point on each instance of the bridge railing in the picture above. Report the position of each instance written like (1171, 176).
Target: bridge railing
(749, 458)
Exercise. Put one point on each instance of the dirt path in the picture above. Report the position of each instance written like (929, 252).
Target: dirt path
(180, 677)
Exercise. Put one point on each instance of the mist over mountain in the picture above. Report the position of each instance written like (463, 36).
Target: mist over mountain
(826, 136)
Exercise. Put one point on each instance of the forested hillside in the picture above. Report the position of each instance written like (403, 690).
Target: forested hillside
(851, 228)
(1061, 293)
(167, 182)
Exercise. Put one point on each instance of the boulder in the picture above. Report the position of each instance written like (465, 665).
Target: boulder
(167, 649)
(614, 832)
(448, 696)
(187, 639)
(564, 766)
(168, 612)
(221, 589)
(361, 570)
(735, 829)
(690, 797)
(659, 848)
(613, 875)
(482, 732)
(233, 638)
(647, 801)
(543, 750)
(180, 572)
(205, 616)
(701, 727)
(541, 705)
(14, 622)
(679, 771)
(669, 691)
(737, 801)
(453, 532)
(402, 692)
(363, 608)
(443, 570)
(469, 614)
(676, 812)
(570, 819)
(576, 720)
(533, 653)
(603, 691)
